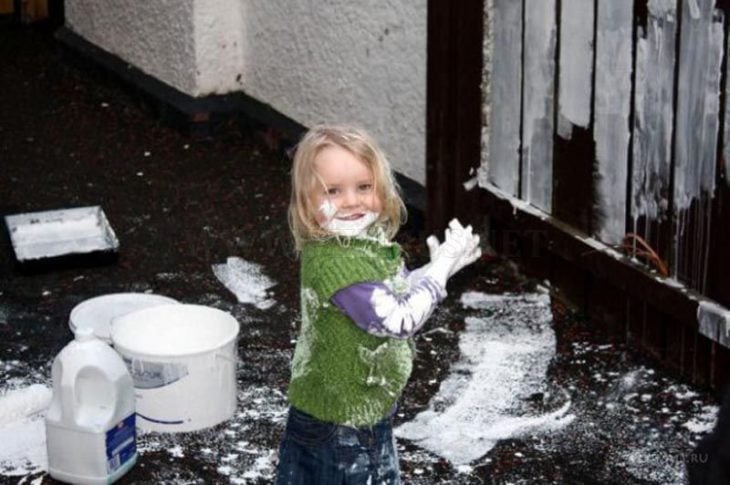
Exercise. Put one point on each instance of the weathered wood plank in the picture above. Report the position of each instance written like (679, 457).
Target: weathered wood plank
(726, 123)
(576, 66)
(654, 112)
(538, 108)
(696, 137)
(505, 94)
(611, 115)
(653, 124)
(718, 277)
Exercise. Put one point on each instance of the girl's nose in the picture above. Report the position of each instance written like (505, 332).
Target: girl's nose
(351, 198)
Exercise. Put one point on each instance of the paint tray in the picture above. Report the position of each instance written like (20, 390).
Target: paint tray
(78, 235)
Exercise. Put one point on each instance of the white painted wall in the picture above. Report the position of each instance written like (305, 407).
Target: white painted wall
(344, 60)
(157, 37)
(312, 60)
(219, 42)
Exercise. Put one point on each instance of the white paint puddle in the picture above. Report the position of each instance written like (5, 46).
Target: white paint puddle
(247, 281)
(505, 353)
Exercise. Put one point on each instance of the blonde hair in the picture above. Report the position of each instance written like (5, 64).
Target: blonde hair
(304, 181)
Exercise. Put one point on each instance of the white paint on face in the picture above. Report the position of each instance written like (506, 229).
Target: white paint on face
(347, 225)
(348, 203)
(328, 209)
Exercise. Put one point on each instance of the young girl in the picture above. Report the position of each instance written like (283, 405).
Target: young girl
(360, 308)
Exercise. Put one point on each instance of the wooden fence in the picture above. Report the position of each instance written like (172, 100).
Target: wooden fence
(600, 144)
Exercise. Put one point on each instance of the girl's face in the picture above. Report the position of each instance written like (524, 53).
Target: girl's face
(348, 203)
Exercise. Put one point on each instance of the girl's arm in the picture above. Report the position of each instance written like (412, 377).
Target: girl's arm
(399, 307)
(395, 308)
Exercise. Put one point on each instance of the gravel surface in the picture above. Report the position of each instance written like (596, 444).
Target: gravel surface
(179, 206)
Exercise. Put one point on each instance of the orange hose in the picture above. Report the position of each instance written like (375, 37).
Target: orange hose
(631, 240)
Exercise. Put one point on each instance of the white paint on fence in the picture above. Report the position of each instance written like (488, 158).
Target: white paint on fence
(538, 107)
(714, 322)
(698, 105)
(576, 66)
(726, 148)
(653, 111)
(505, 86)
(611, 115)
(487, 101)
(697, 129)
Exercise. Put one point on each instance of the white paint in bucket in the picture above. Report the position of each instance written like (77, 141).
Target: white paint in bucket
(99, 311)
(183, 362)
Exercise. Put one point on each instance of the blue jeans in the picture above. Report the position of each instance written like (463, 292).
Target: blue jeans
(319, 453)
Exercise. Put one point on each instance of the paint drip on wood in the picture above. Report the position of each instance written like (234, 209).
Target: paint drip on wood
(654, 112)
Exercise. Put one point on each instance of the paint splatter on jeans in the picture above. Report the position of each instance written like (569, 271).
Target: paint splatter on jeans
(315, 452)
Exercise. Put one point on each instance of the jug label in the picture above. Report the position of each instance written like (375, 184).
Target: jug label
(153, 375)
(121, 443)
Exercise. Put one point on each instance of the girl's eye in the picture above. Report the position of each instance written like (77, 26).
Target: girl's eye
(365, 187)
(333, 191)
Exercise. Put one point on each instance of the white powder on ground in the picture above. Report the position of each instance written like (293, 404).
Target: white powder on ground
(703, 422)
(505, 352)
(236, 449)
(23, 404)
(247, 281)
(22, 430)
(23, 448)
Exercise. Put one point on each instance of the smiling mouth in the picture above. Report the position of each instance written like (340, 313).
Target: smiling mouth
(351, 217)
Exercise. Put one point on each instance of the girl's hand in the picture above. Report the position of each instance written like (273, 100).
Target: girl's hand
(459, 249)
(460, 241)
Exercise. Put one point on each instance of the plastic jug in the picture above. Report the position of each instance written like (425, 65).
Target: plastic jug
(90, 425)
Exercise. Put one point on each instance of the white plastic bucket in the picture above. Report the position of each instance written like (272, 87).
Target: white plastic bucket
(98, 312)
(182, 359)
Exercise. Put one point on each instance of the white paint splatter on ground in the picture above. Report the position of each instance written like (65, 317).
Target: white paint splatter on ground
(22, 428)
(635, 422)
(505, 352)
(246, 280)
(237, 449)
(704, 421)
(629, 420)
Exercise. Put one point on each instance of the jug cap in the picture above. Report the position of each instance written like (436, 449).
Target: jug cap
(84, 334)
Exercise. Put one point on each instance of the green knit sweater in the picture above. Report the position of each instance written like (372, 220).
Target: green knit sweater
(340, 373)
